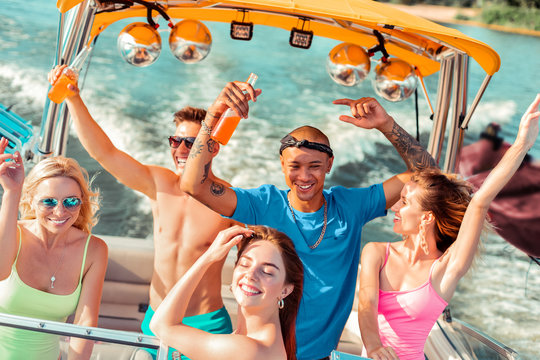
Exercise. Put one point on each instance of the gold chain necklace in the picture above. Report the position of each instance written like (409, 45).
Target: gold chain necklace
(324, 222)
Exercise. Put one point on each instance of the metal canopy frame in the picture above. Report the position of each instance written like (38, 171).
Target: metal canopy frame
(75, 30)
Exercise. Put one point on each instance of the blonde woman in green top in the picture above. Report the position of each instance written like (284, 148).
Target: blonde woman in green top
(50, 264)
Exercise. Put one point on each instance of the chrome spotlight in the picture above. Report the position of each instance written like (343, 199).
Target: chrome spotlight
(395, 80)
(348, 64)
(139, 44)
(190, 41)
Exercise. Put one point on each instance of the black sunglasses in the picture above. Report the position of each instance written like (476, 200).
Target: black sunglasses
(176, 141)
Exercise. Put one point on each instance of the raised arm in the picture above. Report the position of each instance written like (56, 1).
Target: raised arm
(195, 343)
(11, 180)
(368, 302)
(461, 253)
(87, 311)
(123, 167)
(195, 180)
(369, 114)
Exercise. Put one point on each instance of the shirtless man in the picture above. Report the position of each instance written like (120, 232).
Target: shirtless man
(183, 227)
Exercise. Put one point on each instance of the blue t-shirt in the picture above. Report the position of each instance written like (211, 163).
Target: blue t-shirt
(330, 270)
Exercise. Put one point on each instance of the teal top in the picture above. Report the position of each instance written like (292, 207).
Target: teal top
(17, 298)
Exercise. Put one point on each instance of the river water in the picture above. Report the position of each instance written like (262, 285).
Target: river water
(501, 296)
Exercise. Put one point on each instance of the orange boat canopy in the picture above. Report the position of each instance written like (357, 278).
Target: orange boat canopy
(418, 41)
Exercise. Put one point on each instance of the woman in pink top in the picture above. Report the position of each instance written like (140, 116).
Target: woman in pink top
(404, 286)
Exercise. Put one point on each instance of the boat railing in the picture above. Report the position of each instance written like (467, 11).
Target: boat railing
(86, 332)
(468, 340)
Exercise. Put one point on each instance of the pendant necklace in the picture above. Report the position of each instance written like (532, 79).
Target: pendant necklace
(58, 265)
(324, 222)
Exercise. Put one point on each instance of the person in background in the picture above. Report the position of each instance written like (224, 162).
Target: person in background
(267, 284)
(183, 227)
(50, 264)
(405, 286)
(324, 224)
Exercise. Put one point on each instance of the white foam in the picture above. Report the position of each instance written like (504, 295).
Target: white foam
(33, 83)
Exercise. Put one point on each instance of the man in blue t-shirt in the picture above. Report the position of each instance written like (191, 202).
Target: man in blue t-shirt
(325, 225)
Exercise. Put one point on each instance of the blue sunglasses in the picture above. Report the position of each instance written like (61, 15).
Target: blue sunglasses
(69, 203)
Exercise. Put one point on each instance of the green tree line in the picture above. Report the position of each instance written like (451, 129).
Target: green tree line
(512, 13)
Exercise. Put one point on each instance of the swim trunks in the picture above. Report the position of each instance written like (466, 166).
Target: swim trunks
(216, 322)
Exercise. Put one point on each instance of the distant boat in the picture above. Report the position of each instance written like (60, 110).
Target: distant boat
(516, 210)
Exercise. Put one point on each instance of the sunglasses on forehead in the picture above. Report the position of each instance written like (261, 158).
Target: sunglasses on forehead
(176, 141)
(69, 203)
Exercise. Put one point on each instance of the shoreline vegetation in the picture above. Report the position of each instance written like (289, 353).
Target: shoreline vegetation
(496, 17)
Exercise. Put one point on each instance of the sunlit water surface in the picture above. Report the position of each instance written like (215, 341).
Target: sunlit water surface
(135, 107)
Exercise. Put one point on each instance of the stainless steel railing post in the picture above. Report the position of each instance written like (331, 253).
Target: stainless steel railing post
(455, 136)
(443, 104)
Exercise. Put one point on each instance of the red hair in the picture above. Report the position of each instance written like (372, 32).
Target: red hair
(447, 197)
(294, 275)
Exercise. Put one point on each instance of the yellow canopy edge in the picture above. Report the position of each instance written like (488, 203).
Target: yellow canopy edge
(343, 20)
(65, 5)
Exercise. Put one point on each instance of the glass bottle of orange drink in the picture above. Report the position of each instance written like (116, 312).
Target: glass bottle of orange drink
(229, 120)
(59, 91)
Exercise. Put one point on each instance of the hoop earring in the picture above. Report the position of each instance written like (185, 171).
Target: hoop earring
(281, 304)
(423, 242)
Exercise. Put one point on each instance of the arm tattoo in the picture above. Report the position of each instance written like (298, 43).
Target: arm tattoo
(206, 170)
(414, 155)
(196, 149)
(211, 144)
(217, 189)
(211, 114)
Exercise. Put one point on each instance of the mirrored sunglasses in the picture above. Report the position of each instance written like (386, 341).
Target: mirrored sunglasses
(176, 141)
(69, 203)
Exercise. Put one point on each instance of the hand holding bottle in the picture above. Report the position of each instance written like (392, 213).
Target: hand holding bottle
(63, 76)
(232, 104)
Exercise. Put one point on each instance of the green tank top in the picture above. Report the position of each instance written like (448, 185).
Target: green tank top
(17, 298)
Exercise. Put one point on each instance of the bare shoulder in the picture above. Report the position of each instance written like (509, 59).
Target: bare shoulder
(164, 178)
(374, 248)
(373, 255)
(161, 172)
(98, 250)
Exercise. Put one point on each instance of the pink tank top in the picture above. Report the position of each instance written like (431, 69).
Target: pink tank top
(406, 317)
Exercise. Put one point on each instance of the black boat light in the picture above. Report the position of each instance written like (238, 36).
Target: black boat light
(242, 30)
(301, 38)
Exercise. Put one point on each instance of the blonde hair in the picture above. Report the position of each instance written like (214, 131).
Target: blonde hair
(61, 166)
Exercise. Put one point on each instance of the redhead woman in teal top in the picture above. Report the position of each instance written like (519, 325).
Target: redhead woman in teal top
(404, 286)
(50, 264)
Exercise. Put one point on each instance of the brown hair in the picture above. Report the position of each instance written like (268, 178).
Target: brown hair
(189, 114)
(447, 197)
(66, 167)
(294, 275)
